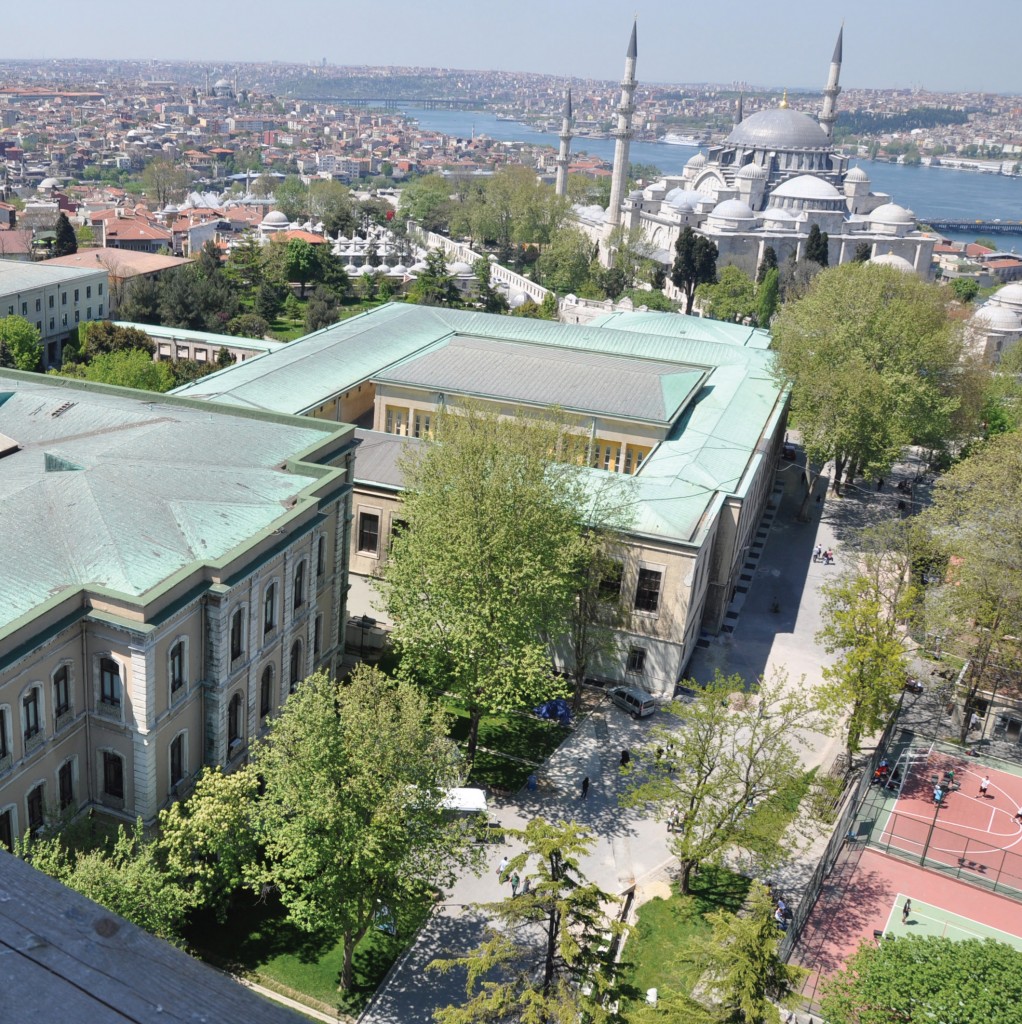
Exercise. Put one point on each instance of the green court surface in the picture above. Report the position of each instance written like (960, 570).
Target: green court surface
(926, 919)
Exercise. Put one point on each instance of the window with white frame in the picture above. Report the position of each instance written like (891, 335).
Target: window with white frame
(31, 713)
(35, 803)
(296, 666)
(66, 784)
(237, 634)
(178, 758)
(234, 722)
(7, 828)
(369, 533)
(299, 587)
(176, 667)
(113, 774)
(5, 734)
(266, 692)
(109, 683)
(637, 659)
(647, 589)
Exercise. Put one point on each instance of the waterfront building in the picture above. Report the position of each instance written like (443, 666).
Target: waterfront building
(172, 569)
(682, 413)
(775, 176)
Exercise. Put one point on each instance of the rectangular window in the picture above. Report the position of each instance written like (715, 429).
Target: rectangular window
(38, 305)
(109, 683)
(636, 659)
(270, 608)
(4, 745)
(63, 298)
(422, 424)
(100, 309)
(113, 775)
(610, 584)
(100, 290)
(88, 313)
(50, 302)
(65, 778)
(317, 636)
(24, 309)
(321, 556)
(369, 533)
(237, 635)
(396, 421)
(31, 707)
(177, 759)
(76, 295)
(177, 667)
(10, 311)
(35, 809)
(78, 316)
(61, 692)
(647, 592)
(88, 291)
(52, 323)
(7, 830)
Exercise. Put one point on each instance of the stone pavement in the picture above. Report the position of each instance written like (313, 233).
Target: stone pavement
(629, 848)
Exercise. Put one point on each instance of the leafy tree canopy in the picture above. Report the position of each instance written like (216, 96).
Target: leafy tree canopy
(20, 344)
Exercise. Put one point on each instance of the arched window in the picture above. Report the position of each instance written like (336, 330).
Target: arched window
(177, 667)
(178, 759)
(270, 608)
(296, 666)
(61, 691)
(31, 713)
(237, 633)
(234, 721)
(266, 692)
(299, 594)
(109, 682)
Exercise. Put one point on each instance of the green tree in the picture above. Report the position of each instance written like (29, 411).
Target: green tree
(546, 310)
(428, 202)
(434, 286)
(301, 263)
(976, 518)
(488, 297)
(874, 364)
(128, 879)
(20, 344)
(321, 311)
(101, 336)
(695, 263)
(206, 842)
(965, 289)
(331, 203)
(766, 264)
(732, 298)
(738, 963)
(141, 302)
(484, 573)
(66, 241)
(291, 197)
(351, 817)
(269, 299)
(208, 263)
(164, 181)
(818, 246)
(127, 368)
(542, 960)
(566, 263)
(85, 236)
(248, 325)
(767, 297)
(736, 749)
(513, 207)
(244, 264)
(863, 253)
(864, 611)
(918, 979)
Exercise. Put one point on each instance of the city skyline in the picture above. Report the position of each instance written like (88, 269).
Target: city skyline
(887, 45)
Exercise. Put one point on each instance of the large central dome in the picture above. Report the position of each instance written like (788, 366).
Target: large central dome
(779, 128)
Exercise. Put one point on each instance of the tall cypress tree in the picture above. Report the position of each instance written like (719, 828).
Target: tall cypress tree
(66, 242)
(818, 246)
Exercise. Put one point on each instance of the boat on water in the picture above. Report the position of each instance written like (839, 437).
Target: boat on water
(674, 139)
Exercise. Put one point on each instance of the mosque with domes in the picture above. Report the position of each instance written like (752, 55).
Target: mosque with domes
(774, 177)
(997, 325)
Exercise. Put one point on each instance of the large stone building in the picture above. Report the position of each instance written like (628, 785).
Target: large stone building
(775, 176)
(171, 570)
(683, 412)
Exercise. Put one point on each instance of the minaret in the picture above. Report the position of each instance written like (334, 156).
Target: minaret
(739, 115)
(561, 183)
(623, 137)
(829, 113)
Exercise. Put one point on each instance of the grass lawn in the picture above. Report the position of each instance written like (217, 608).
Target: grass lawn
(664, 926)
(258, 941)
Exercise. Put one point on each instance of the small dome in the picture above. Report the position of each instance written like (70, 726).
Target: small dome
(776, 213)
(221, 83)
(683, 199)
(699, 160)
(518, 299)
(417, 268)
(733, 209)
(1009, 295)
(889, 259)
(753, 171)
(997, 318)
(892, 213)
(857, 176)
(806, 186)
(49, 183)
(350, 268)
(459, 267)
(275, 219)
(343, 238)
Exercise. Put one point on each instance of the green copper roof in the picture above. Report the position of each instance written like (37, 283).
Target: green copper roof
(119, 489)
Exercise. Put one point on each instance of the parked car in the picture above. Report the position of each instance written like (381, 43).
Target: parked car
(635, 702)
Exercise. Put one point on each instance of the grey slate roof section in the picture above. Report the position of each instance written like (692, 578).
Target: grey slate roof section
(69, 959)
(587, 382)
(121, 489)
(376, 459)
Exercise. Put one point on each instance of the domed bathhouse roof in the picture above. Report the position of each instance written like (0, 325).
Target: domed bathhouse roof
(518, 299)
(48, 184)
(779, 128)
(1010, 296)
(888, 259)
(779, 218)
(459, 267)
(275, 219)
(684, 199)
(806, 186)
(733, 214)
(350, 268)
(997, 318)
(857, 175)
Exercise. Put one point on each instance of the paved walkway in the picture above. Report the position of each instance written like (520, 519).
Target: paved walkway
(630, 848)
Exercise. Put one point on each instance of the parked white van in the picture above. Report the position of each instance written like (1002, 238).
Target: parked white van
(635, 702)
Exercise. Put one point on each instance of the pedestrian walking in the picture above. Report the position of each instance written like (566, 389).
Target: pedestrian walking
(828, 556)
(817, 552)
(527, 886)
(1018, 814)
(502, 867)
(938, 795)
(983, 786)
(515, 882)
(585, 787)
(905, 911)
(625, 758)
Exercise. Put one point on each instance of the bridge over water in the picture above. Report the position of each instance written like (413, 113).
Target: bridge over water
(985, 227)
(393, 102)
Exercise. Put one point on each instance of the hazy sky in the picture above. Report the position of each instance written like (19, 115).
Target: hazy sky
(936, 44)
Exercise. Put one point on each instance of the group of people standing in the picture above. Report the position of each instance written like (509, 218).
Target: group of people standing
(823, 555)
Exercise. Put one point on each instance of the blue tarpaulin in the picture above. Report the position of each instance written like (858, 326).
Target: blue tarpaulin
(557, 709)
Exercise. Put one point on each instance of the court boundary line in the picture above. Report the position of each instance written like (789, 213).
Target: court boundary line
(899, 901)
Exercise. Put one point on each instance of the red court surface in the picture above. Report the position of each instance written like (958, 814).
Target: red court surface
(860, 894)
(977, 834)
